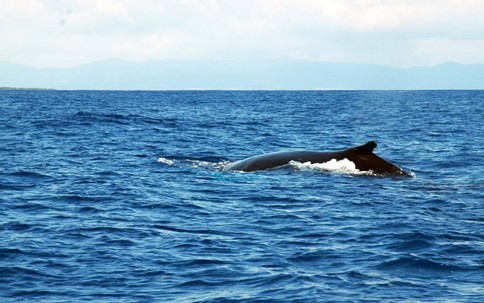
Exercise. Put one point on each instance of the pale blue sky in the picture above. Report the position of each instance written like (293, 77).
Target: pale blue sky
(58, 33)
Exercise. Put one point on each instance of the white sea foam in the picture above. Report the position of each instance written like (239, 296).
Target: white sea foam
(344, 166)
(199, 163)
(166, 161)
(206, 164)
(193, 163)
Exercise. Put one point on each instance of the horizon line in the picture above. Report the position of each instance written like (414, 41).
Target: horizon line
(122, 60)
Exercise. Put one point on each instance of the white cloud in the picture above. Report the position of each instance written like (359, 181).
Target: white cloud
(413, 32)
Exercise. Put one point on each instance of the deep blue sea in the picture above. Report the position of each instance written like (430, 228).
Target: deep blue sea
(119, 196)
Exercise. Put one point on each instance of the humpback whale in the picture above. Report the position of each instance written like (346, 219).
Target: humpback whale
(362, 156)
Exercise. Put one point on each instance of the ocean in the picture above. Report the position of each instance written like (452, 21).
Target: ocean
(120, 196)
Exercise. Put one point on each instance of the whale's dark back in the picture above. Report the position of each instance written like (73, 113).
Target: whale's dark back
(362, 156)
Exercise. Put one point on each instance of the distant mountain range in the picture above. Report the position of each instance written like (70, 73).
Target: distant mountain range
(283, 74)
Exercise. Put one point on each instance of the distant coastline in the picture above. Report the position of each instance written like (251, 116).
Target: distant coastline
(277, 74)
(25, 88)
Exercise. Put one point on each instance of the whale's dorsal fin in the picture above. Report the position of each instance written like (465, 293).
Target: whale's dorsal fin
(367, 148)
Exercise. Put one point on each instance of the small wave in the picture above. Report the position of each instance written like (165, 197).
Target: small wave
(418, 266)
(17, 271)
(86, 114)
(308, 257)
(28, 294)
(411, 245)
(32, 207)
(87, 117)
(123, 119)
(120, 243)
(274, 279)
(197, 263)
(10, 253)
(89, 210)
(22, 180)
(413, 241)
(15, 226)
(15, 187)
(80, 198)
(181, 230)
(29, 174)
(200, 283)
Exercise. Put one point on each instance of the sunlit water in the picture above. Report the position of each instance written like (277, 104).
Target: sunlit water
(121, 197)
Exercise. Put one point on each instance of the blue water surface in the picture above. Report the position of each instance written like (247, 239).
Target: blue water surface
(118, 196)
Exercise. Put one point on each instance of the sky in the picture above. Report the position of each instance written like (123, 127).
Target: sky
(66, 33)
